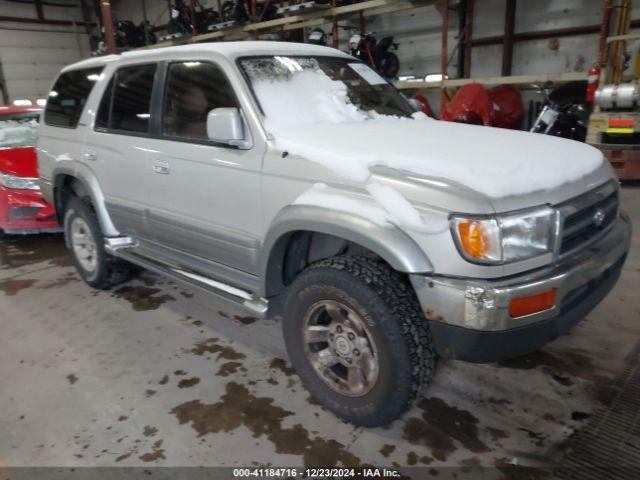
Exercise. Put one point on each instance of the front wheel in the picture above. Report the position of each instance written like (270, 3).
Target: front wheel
(86, 245)
(358, 340)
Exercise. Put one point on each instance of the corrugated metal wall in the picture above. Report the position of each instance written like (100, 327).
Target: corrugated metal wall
(32, 54)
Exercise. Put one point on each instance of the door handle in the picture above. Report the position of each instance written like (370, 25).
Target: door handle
(162, 167)
(90, 155)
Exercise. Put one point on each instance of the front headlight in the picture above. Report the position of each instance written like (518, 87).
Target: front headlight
(505, 238)
(19, 183)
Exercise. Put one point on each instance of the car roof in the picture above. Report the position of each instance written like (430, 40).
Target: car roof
(232, 50)
(9, 109)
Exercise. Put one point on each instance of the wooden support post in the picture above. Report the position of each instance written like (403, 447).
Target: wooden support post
(192, 17)
(254, 17)
(443, 56)
(334, 30)
(509, 31)
(39, 11)
(468, 39)
(604, 32)
(107, 23)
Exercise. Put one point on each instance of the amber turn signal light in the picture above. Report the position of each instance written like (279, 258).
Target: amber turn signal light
(473, 238)
(539, 302)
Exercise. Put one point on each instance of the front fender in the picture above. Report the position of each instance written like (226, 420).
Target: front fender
(388, 242)
(90, 183)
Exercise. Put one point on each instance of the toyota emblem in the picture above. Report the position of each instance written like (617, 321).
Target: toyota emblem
(598, 217)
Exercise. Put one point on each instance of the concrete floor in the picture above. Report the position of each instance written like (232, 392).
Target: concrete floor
(154, 374)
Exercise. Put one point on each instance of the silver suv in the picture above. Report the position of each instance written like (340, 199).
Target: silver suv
(293, 175)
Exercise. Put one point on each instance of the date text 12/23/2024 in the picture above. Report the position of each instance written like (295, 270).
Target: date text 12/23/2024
(314, 473)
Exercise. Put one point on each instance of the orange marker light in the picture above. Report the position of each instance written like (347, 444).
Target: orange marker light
(473, 238)
(539, 302)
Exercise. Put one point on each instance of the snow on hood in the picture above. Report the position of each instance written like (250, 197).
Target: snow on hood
(310, 115)
(15, 134)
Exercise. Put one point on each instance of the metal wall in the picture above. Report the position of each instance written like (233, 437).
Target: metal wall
(31, 54)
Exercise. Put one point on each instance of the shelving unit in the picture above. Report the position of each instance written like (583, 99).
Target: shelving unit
(522, 80)
(318, 15)
(300, 20)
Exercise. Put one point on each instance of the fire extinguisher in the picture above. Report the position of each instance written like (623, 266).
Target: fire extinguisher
(593, 80)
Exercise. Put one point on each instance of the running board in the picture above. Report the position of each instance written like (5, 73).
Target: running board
(256, 306)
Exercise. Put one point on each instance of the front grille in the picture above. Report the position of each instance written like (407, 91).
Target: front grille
(587, 216)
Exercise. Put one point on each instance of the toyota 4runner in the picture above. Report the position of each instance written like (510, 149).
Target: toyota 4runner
(261, 171)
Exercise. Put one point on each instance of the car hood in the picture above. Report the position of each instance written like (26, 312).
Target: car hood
(20, 161)
(486, 166)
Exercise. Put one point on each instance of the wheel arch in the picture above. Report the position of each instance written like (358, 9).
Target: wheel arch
(302, 223)
(79, 183)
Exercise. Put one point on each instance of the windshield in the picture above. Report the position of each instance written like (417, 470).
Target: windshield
(321, 89)
(18, 129)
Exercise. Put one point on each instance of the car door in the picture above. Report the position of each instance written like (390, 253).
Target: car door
(205, 197)
(117, 148)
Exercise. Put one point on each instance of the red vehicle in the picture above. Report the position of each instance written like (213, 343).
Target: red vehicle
(22, 208)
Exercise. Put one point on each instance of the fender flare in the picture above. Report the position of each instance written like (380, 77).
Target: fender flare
(89, 181)
(390, 243)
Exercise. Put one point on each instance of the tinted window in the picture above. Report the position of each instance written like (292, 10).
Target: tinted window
(194, 89)
(131, 110)
(104, 110)
(68, 97)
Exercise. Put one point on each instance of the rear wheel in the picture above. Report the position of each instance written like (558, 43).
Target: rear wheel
(86, 245)
(357, 337)
(390, 65)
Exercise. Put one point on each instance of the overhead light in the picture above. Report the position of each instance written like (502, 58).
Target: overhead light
(94, 77)
(53, 93)
(23, 102)
(143, 115)
(191, 64)
(41, 102)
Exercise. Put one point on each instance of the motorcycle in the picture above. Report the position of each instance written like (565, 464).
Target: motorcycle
(239, 11)
(129, 35)
(376, 54)
(566, 113)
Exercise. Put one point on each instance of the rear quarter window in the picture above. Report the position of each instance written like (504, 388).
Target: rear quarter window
(68, 97)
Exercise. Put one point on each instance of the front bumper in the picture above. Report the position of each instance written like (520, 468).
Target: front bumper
(25, 211)
(470, 320)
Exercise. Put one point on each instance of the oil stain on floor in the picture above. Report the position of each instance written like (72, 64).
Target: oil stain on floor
(20, 251)
(440, 425)
(212, 346)
(142, 298)
(12, 286)
(239, 407)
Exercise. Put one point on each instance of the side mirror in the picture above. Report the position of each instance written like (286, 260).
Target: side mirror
(224, 125)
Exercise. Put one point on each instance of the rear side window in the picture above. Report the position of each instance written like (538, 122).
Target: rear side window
(131, 103)
(69, 96)
(194, 89)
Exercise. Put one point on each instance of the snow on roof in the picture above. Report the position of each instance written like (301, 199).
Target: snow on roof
(228, 49)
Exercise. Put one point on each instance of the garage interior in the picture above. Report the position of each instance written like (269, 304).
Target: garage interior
(155, 374)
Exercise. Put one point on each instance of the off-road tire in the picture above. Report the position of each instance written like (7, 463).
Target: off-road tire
(110, 271)
(373, 290)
